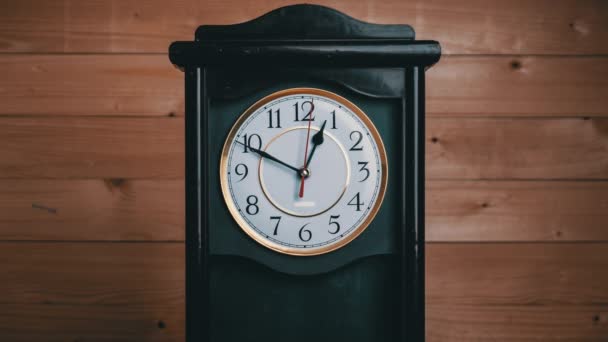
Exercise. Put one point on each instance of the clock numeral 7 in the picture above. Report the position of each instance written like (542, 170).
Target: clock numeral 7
(357, 202)
(276, 227)
(308, 116)
(270, 120)
(248, 139)
(335, 223)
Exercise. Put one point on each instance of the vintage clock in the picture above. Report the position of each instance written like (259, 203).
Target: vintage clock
(304, 179)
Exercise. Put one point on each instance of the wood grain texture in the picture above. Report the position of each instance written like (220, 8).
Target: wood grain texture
(94, 148)
(516, 211)
(517, 149)
(92, 210)
(86, 148)
(475, 292)
(463, 26)
(147, 85)
(153, 210)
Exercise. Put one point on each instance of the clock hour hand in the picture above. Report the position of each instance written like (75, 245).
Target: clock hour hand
(317, 140)
(266, 155)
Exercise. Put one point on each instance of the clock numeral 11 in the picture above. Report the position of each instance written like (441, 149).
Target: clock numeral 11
(277, 114)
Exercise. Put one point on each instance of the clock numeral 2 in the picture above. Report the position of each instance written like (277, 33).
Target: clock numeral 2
(270, 120)
(335, 223)
(247, 141)
(308, 116)
(252, 205)
(276, 227)
(357, 201)
(306, 232)
(358, 137)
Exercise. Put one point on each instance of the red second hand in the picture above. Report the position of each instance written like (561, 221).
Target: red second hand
(306, 153)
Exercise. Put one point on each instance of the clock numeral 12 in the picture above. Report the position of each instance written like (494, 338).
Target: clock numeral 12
(308, 116)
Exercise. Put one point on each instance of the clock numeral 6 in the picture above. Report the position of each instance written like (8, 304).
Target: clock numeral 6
(358, 137)
(242, 173)
(305, 234)
(357, 201)
(335, 223)
(252, 205)
(276, 227)
(308, 116)
(248, 139)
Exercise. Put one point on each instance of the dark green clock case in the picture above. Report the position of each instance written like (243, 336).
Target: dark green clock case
(373, 288)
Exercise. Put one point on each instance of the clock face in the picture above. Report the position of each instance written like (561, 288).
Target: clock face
(303, 171)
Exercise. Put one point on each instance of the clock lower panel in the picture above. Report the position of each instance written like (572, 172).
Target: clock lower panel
(251, 302)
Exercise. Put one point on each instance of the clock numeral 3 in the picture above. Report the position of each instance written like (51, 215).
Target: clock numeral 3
(278, 117)
(248, 141)
(357, 201)
(305, 234)
(308, 116)
(276, 227)
(241, 173)
(335, 223)
(252, 205)
(358, 137)
(364, 169)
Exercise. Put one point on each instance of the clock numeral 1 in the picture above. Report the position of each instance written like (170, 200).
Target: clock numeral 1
(252, 205)
(358, 137)
(333, 119)
(308, 116)
(247, 141)
(335, 223)
(305, 234)
(276, 227)
(277, 115)
(364, 169)
(357, 201)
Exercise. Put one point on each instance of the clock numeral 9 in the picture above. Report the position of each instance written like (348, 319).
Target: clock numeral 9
(276, 227)
(252, 205)
(270, 120)
(242, 173)
(335, 223)
(364, 169)
(357, 202)
(305, 234)
(247, 141)
(358, 137)
(308, 116)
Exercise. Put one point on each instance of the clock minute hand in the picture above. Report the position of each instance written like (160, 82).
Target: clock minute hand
(267, 155)
(317, 140)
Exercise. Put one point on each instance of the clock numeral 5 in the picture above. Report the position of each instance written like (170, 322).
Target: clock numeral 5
(276, 227)
(248, 139)
(335, 223)
(252, 205)
(270, 120)
(358, 137)
(308, 116)
(357, 201)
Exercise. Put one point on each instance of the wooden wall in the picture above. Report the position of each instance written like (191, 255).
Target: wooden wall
(91, 166)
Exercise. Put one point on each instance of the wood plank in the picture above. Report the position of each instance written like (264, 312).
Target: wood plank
(147, 85)
(463, 27)
(475, 292)
(516, 211)
(153, 210)
(92, 210)
(85, 148)
(517, 149)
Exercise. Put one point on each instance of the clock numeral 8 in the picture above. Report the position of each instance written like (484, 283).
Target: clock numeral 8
(252, 205)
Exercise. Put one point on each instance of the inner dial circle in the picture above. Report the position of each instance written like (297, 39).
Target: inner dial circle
(325, 184)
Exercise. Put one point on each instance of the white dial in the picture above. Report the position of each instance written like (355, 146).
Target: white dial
(303, 171)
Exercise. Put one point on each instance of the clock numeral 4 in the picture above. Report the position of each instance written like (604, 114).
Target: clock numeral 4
(357, 202)
(358, 137)
(251, 140)
(277, 114)
(334, 223)
(252, 205)
(308, 116)
(305, 234)
(276, 227)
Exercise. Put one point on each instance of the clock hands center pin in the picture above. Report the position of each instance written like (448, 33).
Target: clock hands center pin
(267, 155)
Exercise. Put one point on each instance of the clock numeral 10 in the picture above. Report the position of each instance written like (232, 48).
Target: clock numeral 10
(278, 117)
(308, 116)
(247, 141)
(357, 202)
